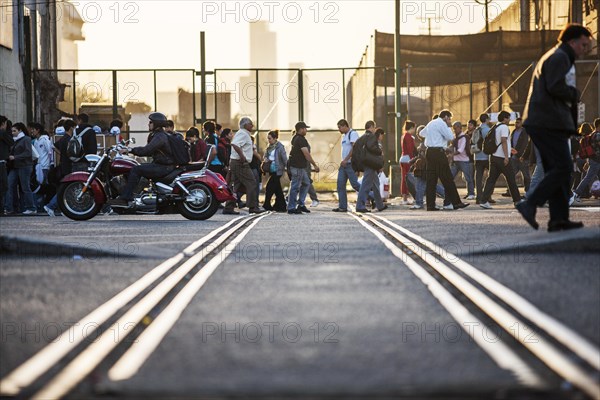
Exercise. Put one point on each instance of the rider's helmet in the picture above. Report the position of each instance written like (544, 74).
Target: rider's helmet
(159, 119)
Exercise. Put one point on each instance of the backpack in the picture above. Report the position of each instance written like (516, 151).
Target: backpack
(476, 141)
(467, 144)
(75, 150)
(587, 147)
(489, 143)
(179, 149)
(358, 153)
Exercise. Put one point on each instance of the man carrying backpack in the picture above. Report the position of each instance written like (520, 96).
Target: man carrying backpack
(82, 142)
(500, 161)
(163, 162)
(461, 158)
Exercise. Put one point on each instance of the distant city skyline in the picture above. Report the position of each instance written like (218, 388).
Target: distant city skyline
(161, 34)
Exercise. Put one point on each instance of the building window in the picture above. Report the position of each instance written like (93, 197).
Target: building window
(6, 24)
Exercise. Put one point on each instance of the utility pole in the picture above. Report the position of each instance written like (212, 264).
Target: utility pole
(486, 3)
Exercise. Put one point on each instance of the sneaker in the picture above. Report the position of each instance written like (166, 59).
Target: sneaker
(486, 205)
(315, 203)
(339, 210)
(416, 207)
(470, 197)
(406, 202)
(577, 198)
(29, 212)
(572, 199)
(49, 211)
(449, 207)
(303, 209)
(296, 211)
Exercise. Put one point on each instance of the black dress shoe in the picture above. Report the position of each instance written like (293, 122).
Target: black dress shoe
(339, 210)
(230, 212)
(296, 211)
(506, 194)
(461, 205)
(256, 211)
(433, 209)
(554, 226)
(528, 213)
(385, 207)
(362, 210)
(303, 209)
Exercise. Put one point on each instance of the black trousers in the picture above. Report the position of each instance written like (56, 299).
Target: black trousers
(438, 168)
(497, 167)
(556, 158)
(150, 171)
(3, 185)
(480, 167)
(274, 188)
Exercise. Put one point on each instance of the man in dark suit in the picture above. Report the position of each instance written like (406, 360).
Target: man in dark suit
(550, 118)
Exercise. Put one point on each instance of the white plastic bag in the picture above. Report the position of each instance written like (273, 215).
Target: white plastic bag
(384, 186)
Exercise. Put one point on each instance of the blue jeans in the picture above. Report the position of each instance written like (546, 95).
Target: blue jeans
(344, 174)
(298, 187)
(467, 170)
(538, 173)
(22, 176)
(420, 186)
(370, 182)
(590, 177)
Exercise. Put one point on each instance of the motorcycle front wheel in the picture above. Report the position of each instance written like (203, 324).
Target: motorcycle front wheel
(200, 204)
(79, 209)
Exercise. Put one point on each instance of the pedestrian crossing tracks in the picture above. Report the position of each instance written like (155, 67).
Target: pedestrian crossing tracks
(132, 324)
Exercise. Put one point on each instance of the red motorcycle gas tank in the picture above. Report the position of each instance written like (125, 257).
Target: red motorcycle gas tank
(122, 166)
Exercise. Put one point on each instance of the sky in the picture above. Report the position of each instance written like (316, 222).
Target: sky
(161, 34)
(165, 34)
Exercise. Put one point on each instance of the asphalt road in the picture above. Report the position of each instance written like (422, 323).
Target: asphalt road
(310, 305)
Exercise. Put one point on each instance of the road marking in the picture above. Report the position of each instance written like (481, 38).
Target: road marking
(90, 357)
(46, 358)
(565, 335)
(503, 355)
(544, 350)
(130, 363)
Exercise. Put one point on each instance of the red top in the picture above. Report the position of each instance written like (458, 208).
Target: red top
(408, 145)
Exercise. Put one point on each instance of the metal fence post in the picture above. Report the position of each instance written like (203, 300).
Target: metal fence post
(115, 96)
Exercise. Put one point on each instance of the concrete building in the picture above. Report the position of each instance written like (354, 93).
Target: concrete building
(36, 35)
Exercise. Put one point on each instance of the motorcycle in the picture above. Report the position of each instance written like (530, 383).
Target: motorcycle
(191, 190)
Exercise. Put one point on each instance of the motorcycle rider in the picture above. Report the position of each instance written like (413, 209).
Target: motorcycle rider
(162, 161)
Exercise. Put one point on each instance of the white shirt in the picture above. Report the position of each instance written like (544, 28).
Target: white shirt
(243, 140)
(43, 145)
(502, 131)
(437, 133)
(348, 141)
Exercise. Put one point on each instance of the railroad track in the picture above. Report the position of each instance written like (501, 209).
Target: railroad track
(482, 305)
(128, 327)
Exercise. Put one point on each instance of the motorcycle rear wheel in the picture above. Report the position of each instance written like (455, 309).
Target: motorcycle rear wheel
(205, 205)
(79, 210)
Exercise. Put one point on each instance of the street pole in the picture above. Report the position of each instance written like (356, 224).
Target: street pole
(202, 79)
(398, 67)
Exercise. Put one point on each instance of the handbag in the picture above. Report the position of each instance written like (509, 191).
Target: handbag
(265, 166)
